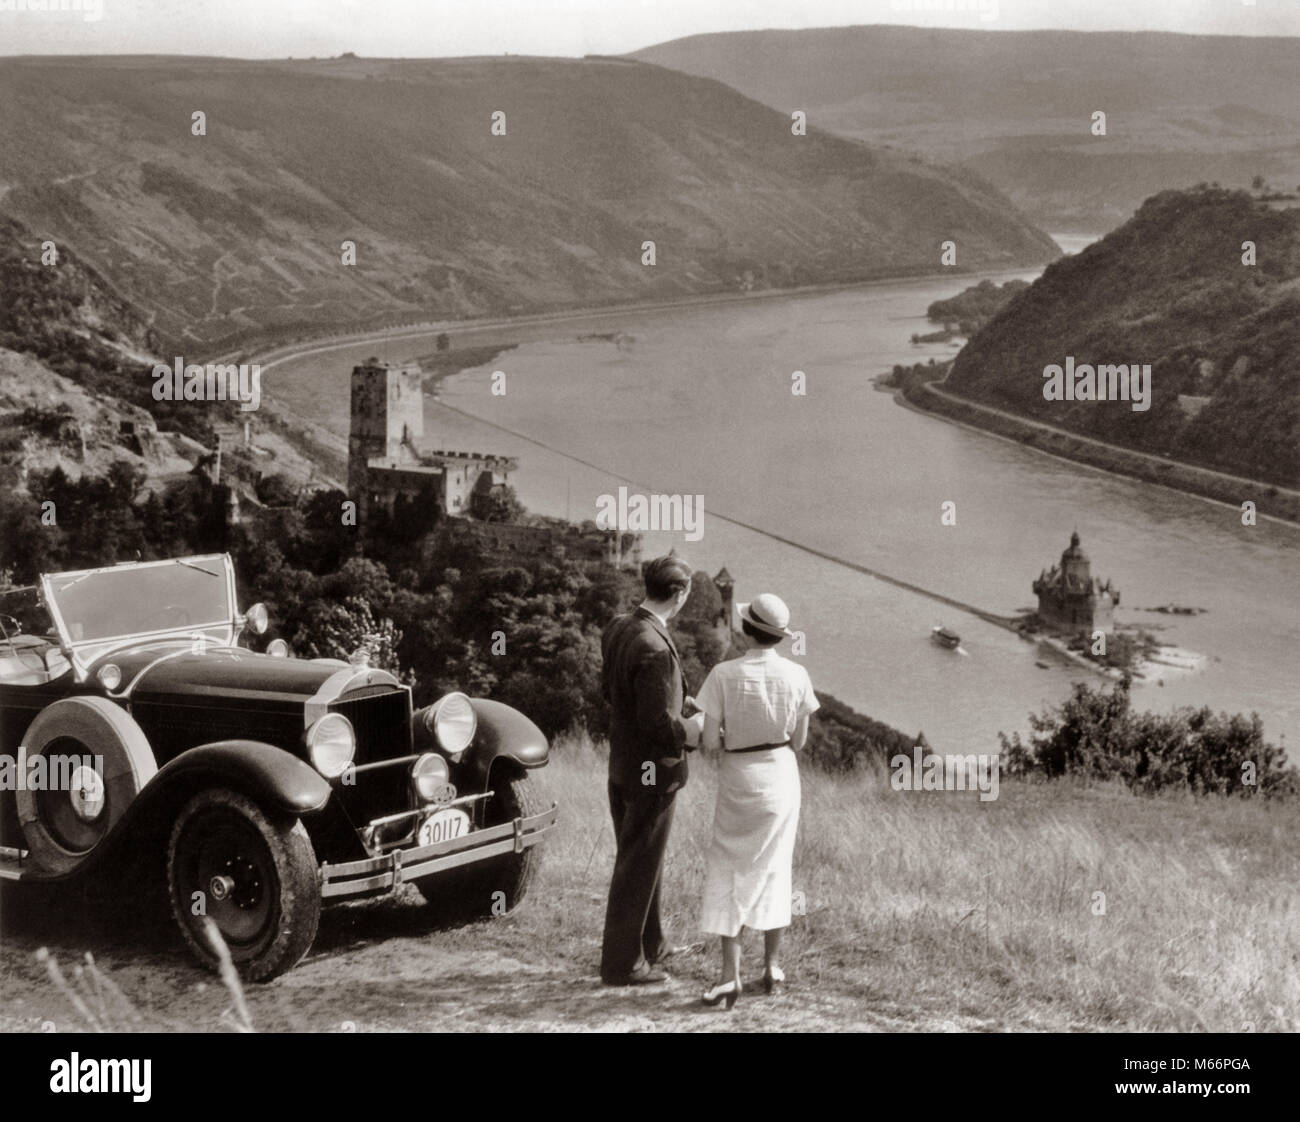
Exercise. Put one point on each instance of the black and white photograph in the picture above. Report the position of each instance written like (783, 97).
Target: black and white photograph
(729, 516)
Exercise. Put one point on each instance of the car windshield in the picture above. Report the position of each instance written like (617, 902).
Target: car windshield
(142, 599)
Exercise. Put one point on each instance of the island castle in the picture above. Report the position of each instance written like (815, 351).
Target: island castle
(386, 453)
(1070, 597)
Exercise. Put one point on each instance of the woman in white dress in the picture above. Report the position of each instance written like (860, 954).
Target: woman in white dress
(756, 711)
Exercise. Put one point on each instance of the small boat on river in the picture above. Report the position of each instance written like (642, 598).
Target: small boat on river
(949, 640)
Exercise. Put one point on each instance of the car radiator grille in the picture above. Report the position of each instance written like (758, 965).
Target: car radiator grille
(382, 722)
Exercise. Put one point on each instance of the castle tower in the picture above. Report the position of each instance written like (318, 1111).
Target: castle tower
(726, 586)
(387, 418)
(1069, 597)
(1076, 569)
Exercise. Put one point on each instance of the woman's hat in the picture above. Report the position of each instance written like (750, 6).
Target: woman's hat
(768, 613)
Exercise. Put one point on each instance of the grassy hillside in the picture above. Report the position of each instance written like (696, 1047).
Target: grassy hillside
(1016, 106)
(75, 366)
(1169, 289)
(924, 911)
(237, 234)
(60, 310)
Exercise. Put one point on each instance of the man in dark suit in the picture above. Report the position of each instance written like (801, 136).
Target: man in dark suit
(648, 741)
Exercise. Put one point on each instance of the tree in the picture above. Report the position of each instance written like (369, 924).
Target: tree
(276, 490)
(334, 630)
(500, 504)
(323, 542)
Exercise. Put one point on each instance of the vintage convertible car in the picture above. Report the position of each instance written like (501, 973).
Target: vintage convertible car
(272, 784)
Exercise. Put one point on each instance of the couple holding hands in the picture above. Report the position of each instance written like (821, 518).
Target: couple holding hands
(753, 711)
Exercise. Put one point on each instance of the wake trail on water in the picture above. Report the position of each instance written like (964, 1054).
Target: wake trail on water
(970, 609)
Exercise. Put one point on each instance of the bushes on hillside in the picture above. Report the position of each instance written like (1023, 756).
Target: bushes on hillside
(1162, 290)
(1096, 733)
(840, 739)
(101, 520)
(972, 308)
(58, 314)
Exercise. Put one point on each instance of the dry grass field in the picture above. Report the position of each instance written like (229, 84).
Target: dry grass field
(924, 911)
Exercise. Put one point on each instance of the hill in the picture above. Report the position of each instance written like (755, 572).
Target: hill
(1168, 289)
(76, 385)
(1015, 106)
(238, 234)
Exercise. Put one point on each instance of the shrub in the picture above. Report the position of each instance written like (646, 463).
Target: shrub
(1097, 734)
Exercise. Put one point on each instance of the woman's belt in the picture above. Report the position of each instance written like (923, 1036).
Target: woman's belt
(760, 747)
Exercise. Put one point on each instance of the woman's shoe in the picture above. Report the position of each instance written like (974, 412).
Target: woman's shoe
(725, 992)
(774, 980)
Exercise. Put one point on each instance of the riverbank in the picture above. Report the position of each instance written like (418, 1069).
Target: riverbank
(441, 365)
(922, 392)
(271, 352)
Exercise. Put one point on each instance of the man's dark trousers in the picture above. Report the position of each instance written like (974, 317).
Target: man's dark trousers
(633, 931)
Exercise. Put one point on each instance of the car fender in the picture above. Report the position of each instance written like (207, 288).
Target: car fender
(503, 733)
(274, 778)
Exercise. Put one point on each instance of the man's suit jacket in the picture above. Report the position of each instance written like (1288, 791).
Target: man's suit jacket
(643, 683)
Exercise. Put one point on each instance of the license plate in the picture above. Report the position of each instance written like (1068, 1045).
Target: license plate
(443, 826)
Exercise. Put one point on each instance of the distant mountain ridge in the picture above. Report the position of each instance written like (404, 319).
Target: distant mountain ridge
(1016, 106)
(239, 234)
(1168, 288)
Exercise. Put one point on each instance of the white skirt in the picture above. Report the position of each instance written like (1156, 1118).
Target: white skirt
(747, 868)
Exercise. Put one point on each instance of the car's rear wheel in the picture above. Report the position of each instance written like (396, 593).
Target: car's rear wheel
(92, 760)
(252, 875)
(498, 885)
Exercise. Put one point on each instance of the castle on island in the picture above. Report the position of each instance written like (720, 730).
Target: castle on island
(1070, 597)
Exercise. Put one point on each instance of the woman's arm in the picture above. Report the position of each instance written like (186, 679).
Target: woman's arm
(711, 737)
(799, 737)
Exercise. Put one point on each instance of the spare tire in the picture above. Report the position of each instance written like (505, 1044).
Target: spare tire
(80, 802)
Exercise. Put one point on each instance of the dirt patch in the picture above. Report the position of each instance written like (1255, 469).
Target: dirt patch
(389, 967)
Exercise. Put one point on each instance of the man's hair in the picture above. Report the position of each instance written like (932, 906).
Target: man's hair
(665, 577)
(762, 638)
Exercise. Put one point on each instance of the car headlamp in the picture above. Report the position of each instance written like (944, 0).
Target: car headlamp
(453, 723)
(257, 619)
(429, 777)
(332, 744)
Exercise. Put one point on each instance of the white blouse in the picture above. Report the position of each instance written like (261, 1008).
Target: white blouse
(757, 698)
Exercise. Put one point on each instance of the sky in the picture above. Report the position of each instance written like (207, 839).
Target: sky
(439, 28)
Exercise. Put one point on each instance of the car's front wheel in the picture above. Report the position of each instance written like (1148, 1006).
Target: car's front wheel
(252, 875)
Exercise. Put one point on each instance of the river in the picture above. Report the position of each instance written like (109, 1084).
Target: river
(697, 401)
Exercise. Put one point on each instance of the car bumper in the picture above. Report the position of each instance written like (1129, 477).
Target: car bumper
(399, 866)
